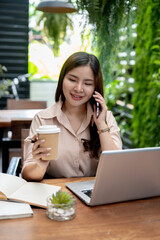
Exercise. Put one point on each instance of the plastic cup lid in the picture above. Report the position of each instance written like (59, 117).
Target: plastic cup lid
(48, 129)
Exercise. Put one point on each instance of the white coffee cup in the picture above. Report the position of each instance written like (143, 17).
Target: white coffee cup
(50, 133)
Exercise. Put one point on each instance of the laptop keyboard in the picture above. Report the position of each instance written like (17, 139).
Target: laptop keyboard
(88, 192)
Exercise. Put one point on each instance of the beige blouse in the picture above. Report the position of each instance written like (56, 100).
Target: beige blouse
(72, 161)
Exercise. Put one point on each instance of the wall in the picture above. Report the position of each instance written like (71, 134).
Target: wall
(14, 41)
(43, 90)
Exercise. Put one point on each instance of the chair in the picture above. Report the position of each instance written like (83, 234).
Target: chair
(15, 164)
(11, 144)
(17, 126)
(25, 104)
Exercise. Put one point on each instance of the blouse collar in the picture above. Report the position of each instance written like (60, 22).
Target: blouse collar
(56, 111)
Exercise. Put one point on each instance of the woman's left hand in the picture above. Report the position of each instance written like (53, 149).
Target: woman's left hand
(100, 121)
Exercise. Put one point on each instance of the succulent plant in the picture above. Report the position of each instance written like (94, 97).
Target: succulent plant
(63, 198)
(61, 206)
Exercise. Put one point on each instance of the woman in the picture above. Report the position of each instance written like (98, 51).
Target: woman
(83, 134)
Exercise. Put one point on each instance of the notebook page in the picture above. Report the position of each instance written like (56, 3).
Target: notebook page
(9, 183)
(35, 193)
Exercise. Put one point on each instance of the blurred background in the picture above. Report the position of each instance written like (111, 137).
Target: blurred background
(124, 35)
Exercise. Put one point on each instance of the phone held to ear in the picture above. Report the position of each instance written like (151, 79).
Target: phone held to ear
(97, 109)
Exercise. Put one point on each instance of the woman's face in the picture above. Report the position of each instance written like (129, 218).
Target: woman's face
(78, 85)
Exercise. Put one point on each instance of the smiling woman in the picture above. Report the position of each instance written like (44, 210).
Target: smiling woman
(82, 135)
(78, 86)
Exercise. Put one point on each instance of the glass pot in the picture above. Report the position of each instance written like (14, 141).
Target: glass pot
(61, 212)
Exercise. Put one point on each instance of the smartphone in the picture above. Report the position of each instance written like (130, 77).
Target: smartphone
(97, 109)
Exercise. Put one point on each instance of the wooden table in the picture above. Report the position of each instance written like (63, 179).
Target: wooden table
(122, 221)
(6, 116)
(6, 119)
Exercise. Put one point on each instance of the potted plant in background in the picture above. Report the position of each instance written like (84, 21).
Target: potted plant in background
(61, 206)
(4, 83)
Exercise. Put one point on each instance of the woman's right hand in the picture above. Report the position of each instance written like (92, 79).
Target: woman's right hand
(39, 152)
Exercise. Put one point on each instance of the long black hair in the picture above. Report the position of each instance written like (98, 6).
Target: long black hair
(83, 59)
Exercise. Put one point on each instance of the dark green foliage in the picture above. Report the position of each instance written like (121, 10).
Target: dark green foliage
(118, 93)
(146, 100)
(107, 17)
(55, 28)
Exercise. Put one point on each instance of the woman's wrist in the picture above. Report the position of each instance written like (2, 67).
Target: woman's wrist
(103, 128)
(102, 125)
(107, 129)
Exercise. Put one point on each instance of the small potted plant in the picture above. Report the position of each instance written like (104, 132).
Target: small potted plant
(4, 83)
(61, 206)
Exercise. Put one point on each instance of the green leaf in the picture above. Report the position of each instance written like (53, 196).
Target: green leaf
(62, 197)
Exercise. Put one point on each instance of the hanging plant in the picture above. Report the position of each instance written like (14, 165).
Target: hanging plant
(106, 18)
(52, 27)
(55, 28)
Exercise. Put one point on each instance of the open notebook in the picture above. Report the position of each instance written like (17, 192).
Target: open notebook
(122, 175)
(18, 189)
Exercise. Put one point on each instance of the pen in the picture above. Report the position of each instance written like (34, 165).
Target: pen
(29, 140)
(97, 110)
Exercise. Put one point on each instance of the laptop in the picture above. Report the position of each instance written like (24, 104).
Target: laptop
(122, 175)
